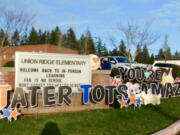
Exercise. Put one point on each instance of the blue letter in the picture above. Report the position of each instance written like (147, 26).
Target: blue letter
(85, 93)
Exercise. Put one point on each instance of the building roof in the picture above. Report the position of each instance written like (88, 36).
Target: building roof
(40, 47)
(9, 53)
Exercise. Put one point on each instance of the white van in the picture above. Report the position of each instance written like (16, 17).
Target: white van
(165, 64)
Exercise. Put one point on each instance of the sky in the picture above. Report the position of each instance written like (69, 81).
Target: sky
(102, 17)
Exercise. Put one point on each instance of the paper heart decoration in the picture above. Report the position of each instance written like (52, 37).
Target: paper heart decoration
(138, 102)
(95, 59)
(116, 81)
(131, 87)
(95, 62)
(167, 78)
(123, 102)
(176, 80)
(147, 74)
(149, 98)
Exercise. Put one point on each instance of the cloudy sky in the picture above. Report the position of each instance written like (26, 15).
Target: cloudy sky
(103, 16)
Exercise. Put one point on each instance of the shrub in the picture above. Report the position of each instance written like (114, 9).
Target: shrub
(115, 72)
(176, 71)
(9, 64)
(115, 103)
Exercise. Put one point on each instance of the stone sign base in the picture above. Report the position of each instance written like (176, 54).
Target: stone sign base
(7, 76)
(75, 106)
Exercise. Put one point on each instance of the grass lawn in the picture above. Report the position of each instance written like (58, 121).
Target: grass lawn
(127, 121)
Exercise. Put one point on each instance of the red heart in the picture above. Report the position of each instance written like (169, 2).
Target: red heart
(95, 59)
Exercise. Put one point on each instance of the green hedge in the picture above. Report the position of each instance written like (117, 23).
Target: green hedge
(115, 72)
(176, 71)
(9, 64)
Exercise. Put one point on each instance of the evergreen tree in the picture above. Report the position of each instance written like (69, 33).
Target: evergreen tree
(39, 36)
(83, 45)
(100, 48)
(42, 37)
(151, 60)
(87, 45)
(48, 34)
(71, 41)
(33, 37)
(54, 36)
(138, 52)
(122, 49)
(24, 39)
(168, 54)
(6, 42)
(167, 50)
(64, 40)
(176, 55)
(90, 42)
(15, 38)
(114, 52)
(161, 54)
(105, 50)
(145, 54)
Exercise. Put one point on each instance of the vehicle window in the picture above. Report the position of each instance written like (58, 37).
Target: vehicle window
(111, 59)
(101, 59)
(163, 65)
(122, 60)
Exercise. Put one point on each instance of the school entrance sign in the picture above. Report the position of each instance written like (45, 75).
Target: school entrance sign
(45, 69)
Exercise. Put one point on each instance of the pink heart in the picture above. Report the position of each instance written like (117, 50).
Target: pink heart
(95, 59)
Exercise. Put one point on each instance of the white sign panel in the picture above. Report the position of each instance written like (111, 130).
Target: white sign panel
(46, 69)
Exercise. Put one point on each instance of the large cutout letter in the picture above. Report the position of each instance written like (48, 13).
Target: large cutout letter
(49, 96)
(157, 89)
(177, 92)
(85, 93)
(33, 95)
(19, 98)
(63, 94)
(3, 95)
(110, 93)
(98, 93)
(122, 91)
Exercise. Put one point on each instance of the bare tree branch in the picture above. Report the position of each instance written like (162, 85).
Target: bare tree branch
(144, 36)
(137, 35)
(12, 20)
(113, 41)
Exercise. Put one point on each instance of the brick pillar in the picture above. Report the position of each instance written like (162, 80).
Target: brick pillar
(7, 78)
(100, 77)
